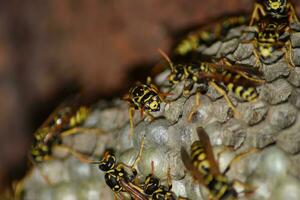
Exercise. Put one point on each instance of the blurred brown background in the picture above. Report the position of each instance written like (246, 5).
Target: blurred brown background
(50, 49)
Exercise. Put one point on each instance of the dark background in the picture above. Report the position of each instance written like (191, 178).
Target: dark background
(49, 49)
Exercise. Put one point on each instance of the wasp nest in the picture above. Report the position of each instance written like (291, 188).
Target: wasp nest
(266, 136)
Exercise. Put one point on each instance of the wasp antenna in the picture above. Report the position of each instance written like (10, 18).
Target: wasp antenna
(166, 57)
(94, 162)
(152, 167)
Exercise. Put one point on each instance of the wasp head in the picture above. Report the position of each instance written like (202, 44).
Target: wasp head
(275, 5)
(177, 74)
(153, 104)
(108, 161)
(152, 183)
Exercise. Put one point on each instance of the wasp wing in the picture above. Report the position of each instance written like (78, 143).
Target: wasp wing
(204, 139)
(135, 192)
(186, 159)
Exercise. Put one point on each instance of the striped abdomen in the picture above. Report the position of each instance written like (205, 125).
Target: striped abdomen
(199, 158)
(221, 189)
(239, 86)
(208, 35)
(79, 116)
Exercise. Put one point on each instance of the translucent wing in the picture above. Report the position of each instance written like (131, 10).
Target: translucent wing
(190, 167)
(134, 191)
(204, 139)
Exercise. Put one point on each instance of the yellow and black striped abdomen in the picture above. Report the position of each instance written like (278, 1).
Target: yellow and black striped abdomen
(208, 35)
(246, 93)
(79, 117)
(239, 86)
(220, 188)
(199, 158)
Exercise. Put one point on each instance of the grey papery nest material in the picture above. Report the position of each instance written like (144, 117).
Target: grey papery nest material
(271, 124)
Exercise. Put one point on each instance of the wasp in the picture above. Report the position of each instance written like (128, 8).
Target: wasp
(269, 37)
(62, 122)
(208, 35)
(116, 176)
(152, 186)
(280, 9)
(203, 166)
(144, 97)
(224, 77)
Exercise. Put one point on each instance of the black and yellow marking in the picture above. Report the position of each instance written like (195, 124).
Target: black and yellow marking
(144, 97)
(240, 86)
(270, 37)
(277, 9)
(153, 188)
(224, 77)
(49, 134)
(204, 168)
(208, 35)
(116, 177)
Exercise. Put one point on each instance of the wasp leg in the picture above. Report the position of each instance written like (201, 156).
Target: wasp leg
(131, 111)
(136, 160)
(229, 102)
(81, 157)
(142, 113)
(289, 56)
(118, 196)
(246, 188)
(34, 164)
(243, 74)
(84, 130)
(138, 157)
(195, 107)
(152, 118)
(163, 96)
(254, 43)
(292, 16)
(258, 62)
(252, 78)
(258, 9)
(18, 186)
(239, 157)
(188, 86)
(169, 179)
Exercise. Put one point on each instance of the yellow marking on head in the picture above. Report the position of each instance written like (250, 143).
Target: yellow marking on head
(275, 4)
(153, 105)
(265, 51)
